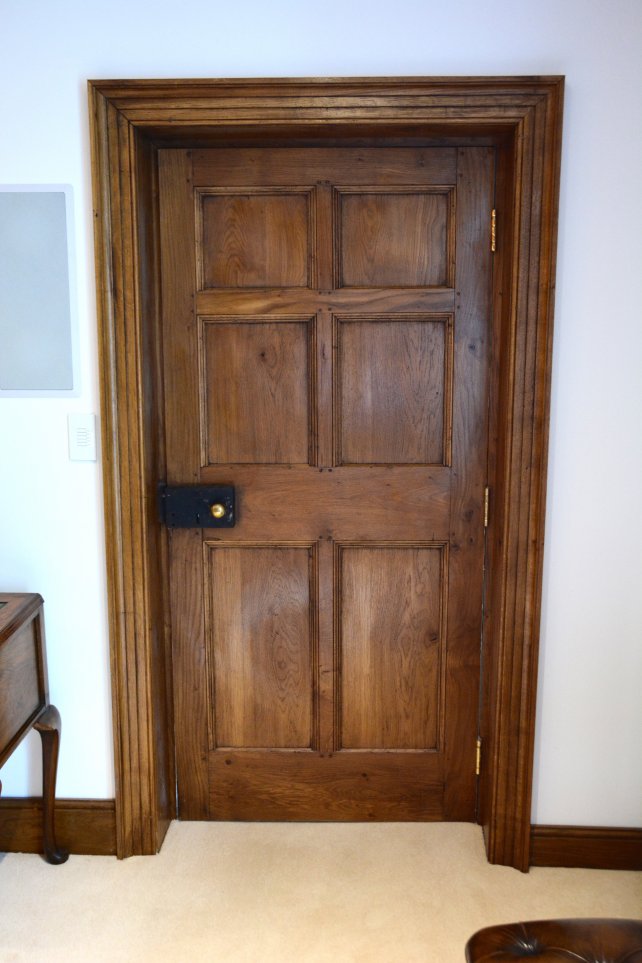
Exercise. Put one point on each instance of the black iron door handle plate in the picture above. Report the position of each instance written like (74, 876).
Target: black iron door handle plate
(190, 506)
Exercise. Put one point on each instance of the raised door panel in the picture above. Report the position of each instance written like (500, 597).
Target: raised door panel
(391, 638)
(394, 238)
(261, 637)
(256, 391)
(393, 389)
(255, 239)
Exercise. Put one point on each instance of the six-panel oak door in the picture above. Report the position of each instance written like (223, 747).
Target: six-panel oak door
(325, 338)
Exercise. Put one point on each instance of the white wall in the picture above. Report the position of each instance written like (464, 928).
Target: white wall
(588, 759)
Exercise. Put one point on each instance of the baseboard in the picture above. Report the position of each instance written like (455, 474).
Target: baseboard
(586, 847)
(82, 826)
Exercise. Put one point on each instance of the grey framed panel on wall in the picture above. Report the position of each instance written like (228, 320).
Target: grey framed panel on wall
(38, 321)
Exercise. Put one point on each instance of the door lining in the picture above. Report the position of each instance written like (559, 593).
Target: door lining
(130, 121)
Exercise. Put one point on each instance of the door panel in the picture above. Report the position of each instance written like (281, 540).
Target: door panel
(261, 637)
(257, 390)
(399, 239)
(257, 239)
(393, 390)
(325, 319)
(390, 647)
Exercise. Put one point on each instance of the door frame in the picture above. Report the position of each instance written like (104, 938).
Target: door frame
(130, 121)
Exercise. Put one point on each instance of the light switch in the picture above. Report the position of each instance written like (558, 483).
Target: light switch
(82, 437)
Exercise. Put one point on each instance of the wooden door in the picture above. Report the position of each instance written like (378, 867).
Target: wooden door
(326, 325)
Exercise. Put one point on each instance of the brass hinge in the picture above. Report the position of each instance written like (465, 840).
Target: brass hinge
(478, 757)
(486, 505)
(493, 230)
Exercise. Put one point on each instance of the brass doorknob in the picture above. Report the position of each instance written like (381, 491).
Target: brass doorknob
(217, 510)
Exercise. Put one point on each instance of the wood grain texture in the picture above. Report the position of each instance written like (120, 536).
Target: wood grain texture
(189, 660)
(586, 847)
(303, 303)
(23, 667)
(125, 217)
(346, 786)
(524, 289)
(391, 641)
(19, 684)
(49, 727)
(24, 700)
(261, 619)
(297, 502)
(258, 239)
(83, 826)
(393, 390)
(257, 387)
(387, 239)
(393, 381)
(128, 115)
(349, 165)
(155, 548)
(475, 184)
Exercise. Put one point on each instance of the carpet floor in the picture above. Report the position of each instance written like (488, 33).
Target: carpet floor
(288, 893)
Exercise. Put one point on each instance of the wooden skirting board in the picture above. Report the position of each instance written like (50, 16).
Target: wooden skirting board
(82, 826)
(587, 847)
(88, 826)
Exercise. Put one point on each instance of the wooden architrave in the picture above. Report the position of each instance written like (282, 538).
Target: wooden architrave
(130, 120)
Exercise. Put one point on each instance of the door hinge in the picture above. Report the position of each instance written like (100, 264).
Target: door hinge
(478, 756)
(493, 230)
(486, 505)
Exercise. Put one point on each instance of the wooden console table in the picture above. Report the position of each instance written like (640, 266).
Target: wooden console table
(24, 698)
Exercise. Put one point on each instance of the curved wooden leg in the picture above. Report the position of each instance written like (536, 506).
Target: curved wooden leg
(48, 725)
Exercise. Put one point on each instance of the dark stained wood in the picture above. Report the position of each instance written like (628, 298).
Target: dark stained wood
(281, 165)
(257, 239)
(268, 421)
(126, 260)
(83, 826)
(393, 390)
(49, 726)
(349, 786)
(524, 289)
(521, 117)
(388, 396)
(23, 671)
(589, 940)
(475, 184)
(24, 698)
(587, 847)
(391, 646)
(260, 646)
(387, 239)
(410, 498)
(377, 301)
(190, 671)
(162, 753)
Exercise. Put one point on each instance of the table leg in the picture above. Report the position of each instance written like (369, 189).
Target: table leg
(48, 725)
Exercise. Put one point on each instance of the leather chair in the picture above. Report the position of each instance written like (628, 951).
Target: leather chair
(553, 941)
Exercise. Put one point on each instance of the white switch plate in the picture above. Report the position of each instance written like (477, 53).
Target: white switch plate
(82, 437)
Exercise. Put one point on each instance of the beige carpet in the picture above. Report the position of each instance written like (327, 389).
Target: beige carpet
(279, 893)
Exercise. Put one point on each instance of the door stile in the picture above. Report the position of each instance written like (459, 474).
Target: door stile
(475, 189)
(183, 445)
